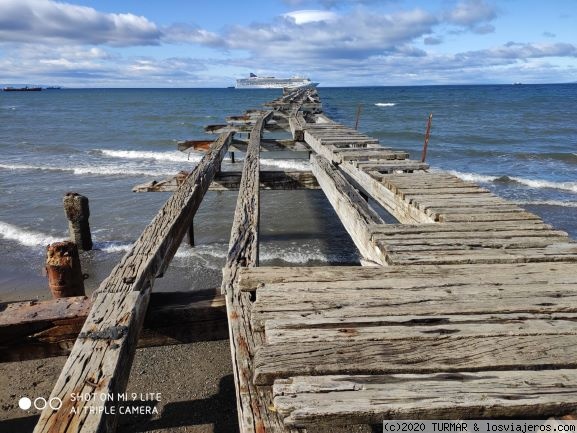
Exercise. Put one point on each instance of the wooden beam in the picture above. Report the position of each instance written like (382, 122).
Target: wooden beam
(252, 404)
(333, 400)
(32, 329)
(102, 355)
(230, 181)
(354, 212)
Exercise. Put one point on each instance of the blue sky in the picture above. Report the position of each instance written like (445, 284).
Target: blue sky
(180, 43)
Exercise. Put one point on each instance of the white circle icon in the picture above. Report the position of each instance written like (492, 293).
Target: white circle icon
(25, 403)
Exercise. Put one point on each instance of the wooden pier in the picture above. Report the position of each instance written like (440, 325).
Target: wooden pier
(465, 308)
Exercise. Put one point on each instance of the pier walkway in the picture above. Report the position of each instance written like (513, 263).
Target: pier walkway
(465, 308)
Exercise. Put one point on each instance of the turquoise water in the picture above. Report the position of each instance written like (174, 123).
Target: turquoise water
(519, 141)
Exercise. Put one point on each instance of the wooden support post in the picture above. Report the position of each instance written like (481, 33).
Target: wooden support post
(427, 135)
(359, 110)
(63, 269)
(100, 360)
(77, 211)
(191, 234)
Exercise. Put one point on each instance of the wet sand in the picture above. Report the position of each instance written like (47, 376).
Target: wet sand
(195, 383)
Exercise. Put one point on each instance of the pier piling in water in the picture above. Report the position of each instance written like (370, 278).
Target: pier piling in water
(63, 269)
(77, 211)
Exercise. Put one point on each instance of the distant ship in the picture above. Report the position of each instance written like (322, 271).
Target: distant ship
(22, 89)
(255, 82)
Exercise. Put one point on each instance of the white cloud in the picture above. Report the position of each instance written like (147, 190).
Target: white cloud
(474, 15)
(310, 16)
(356, 35)
(49, 21)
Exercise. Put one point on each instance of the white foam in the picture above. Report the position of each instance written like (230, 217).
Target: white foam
(547, 203)
(471, 177)
(536, 183)
(533, 183)
(385, 104)
(288, 254)
(287, 164)
(113, 247)
(114, 170)
(121, 171)
(175, 156)
(28, 238)
(15, 167)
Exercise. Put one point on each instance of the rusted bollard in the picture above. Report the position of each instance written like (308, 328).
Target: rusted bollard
(77, 211)
(63, 269)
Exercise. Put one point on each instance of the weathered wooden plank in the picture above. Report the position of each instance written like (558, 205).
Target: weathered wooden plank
(230, 181)
(310, 329)
(252, 405)
(418, 245)
(40, 329)
(503, 235)
(403, 229)
(296, 124)
(551, 253)
(492, 275)
(389, 166)
(102, 355)
(447, 355)
(307, 401)
(425, 292)
(353, 211)
(403, 211)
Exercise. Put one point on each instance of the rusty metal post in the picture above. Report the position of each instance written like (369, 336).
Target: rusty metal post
(63, 269)
(427, 135)
(359, 109)
(77, 211)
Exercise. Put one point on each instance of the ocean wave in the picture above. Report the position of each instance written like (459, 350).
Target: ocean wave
(532, 183)
(287, 254)
(547, 203)
(112, 247)
(174, 156)
(385, 104)
(119, 170)
(28, 238)
(287, 164)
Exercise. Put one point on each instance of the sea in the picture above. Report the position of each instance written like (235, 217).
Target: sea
(519, 141)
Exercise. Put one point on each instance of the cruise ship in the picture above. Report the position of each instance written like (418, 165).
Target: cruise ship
(255, 82)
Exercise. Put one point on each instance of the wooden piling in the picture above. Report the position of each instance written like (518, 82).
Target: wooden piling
(191, 234)
(77, 211)
(63, 269)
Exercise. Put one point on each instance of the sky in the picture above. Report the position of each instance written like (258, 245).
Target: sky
(184, 43)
